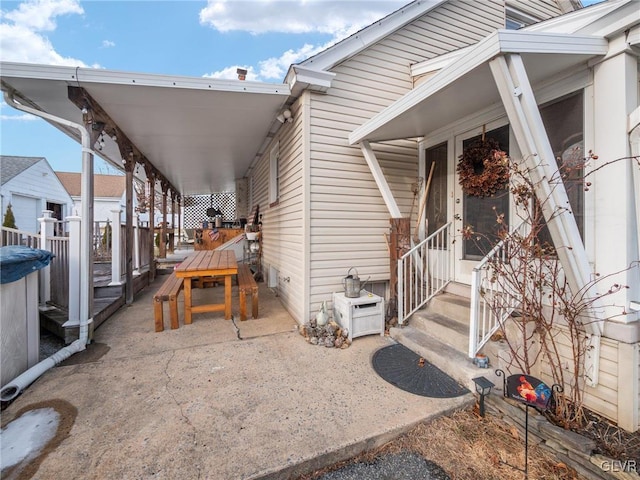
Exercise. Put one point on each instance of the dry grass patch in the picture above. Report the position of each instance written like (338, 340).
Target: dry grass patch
(468, 447)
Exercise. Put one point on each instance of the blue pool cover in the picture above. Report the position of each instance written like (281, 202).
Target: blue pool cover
(17, 261)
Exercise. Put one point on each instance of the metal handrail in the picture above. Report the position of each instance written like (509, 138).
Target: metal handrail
(491, 302)
(423, 272)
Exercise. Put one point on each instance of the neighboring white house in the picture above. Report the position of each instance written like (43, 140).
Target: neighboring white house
(30, 186)
(370, 114)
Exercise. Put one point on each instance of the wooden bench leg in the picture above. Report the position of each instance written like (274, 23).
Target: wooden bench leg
(157, 312)
(254, 303)
(173, 309)
(187, 301)
(227, 297)
(243, 305)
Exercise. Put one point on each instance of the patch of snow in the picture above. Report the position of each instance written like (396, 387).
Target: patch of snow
(27, 435)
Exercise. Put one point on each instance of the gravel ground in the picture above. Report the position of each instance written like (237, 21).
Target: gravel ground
(398, 466)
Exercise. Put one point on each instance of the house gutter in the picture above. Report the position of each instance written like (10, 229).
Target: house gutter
(12, 389)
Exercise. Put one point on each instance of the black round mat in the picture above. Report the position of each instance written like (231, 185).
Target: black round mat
(407, 370)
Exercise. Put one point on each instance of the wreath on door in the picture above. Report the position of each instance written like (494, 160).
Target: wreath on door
(483, 168)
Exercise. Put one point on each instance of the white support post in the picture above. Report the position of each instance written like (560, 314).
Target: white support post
(522, 109)
(136, 245)
(381, 181)
(116, 273)
(74, 271)
(46, 232)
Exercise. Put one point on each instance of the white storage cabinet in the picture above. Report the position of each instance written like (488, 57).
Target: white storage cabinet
(363, 315)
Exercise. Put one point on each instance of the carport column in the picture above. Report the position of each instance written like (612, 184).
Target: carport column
(163, 227)
(136, 245)
(46, 232)
(74, 271)
(152, 214)
(116, 273)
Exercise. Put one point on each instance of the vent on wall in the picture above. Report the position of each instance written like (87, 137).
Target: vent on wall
(272, 281)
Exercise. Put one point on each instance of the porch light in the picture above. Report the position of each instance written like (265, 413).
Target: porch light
(483, 388)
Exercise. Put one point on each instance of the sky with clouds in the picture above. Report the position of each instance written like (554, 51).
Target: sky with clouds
(193, 38)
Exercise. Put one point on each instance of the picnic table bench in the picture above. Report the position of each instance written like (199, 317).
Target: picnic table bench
(169, 291)
(247, 285)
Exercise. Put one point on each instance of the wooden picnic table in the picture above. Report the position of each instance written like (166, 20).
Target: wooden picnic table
(208, 263)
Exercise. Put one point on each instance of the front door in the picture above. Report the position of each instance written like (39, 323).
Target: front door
(477, 213)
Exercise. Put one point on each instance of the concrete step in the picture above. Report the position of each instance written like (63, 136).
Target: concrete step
(452, 306)
(446, 318)
(448, 359)
(459, 289)
(444, 329)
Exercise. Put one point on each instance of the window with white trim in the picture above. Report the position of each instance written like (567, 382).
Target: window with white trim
(274, 173)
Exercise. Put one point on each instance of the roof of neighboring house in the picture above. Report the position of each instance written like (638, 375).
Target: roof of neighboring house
(103, 185)
(11, 166)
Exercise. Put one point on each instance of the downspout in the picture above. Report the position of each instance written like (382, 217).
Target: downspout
(12, 389)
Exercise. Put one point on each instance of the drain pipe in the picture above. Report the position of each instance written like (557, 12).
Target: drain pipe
(12, 389)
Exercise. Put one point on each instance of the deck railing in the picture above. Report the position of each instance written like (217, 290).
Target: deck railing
(59, 246)
(424, 271)
(54, 280)
(492, 301)
(13, 236)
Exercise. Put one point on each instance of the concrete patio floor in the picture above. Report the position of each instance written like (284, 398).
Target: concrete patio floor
(199, 403)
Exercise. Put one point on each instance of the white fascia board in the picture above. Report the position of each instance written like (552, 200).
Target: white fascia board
(498, 42)
(512, 41)
(300, 78)
(115, 77)
(615, 22)
(575, 21)
(357, 42)
(437, 63)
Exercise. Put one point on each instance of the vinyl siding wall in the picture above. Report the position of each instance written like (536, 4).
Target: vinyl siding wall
(283, 237)
(542, 9)
(330, 215)
(615, 396)
(348, 218)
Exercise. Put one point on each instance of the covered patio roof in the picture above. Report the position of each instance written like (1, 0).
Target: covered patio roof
(466, 85)
(201, 134)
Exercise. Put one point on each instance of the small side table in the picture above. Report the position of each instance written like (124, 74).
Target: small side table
(363, 315)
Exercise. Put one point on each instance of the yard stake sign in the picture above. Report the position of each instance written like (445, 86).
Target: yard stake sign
(533, 393)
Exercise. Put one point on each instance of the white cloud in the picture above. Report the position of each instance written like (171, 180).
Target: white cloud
(21, 38)
(339, 19)
(333, 17)
(24, 117)
(230, 73)
(108, 44)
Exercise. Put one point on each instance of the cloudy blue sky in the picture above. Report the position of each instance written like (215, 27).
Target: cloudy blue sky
(194, 38)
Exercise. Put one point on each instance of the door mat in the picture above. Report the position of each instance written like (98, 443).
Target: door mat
(408, 371)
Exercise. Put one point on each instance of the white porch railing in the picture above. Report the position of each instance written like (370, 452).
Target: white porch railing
(491, 301)
(424, 271)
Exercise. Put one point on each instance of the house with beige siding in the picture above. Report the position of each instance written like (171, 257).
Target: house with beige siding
(352, 162)
(368, 118)
(558, 88)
